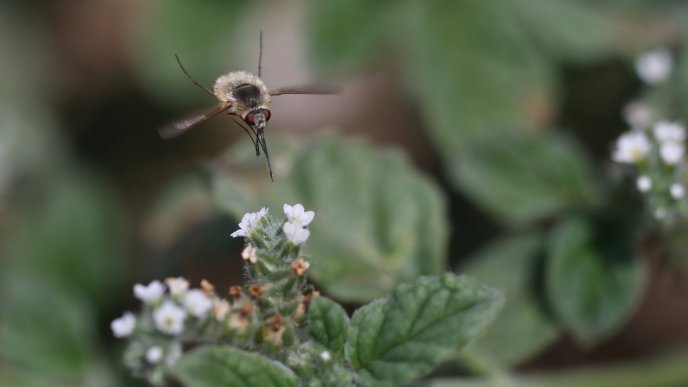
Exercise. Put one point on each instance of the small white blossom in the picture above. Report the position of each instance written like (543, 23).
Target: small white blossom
(644, 183)
(631, 147)
(123, 326)
(295, 233)
(638, 115)
(666, 131)
(197, 303)
(672, 152)
(150, 293)
(169, 318)
(677, 191)
(325, 355)
(220, 309)
(655, 66)
(249, 254)
(154, 355)
(178, 286)
(296, 214)
(249, 223)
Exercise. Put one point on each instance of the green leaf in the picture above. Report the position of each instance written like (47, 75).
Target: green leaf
(227, 366)
(346, 33)
(329, 324)
(593, 277)
(522, 178)
(523, 327)
(378, 221)
(406, 335)
(473, 68)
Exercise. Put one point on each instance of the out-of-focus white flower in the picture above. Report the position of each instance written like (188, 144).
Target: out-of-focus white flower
(296, 214)
(631, 147)
(666, 131)
(123, 326)
(672, 152)
(325, 355)
(174, 353)
(677, 191)
(154, 355)
(249, 223)
(178, 286)
(249, 254)
(220, 309)
(150, 293)
(655, 66)
(644, 183)
(169, 318)
(638, 115)
(295, 233)
(197, 303)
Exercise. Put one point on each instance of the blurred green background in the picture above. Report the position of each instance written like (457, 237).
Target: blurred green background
(470, 135)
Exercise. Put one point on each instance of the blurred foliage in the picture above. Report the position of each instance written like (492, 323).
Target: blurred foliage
(380, 222)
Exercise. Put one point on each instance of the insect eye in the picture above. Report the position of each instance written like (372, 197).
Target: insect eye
(250, 118)
(266, 113)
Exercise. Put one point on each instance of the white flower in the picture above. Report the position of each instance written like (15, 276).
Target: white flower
(325, 355)
(151, 293)
(644, 183)
(677, 191)
(169, 318)
(638, 115)
(178, 286)
(197, 303)
(672, 152)
(249, 254)
(123, 326)
(220, 309)
(655, 66)
(631, 147)
(249, 223)
(669, 131)
(297, 215)
(154, 355)
(295, 233)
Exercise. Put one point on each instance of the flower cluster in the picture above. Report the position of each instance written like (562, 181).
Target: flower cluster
(263, 314)
(655, 146)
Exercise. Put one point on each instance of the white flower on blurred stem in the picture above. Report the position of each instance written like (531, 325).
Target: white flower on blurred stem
(295, 233)
(672, 152)
(644, 183)
(631, 147)
(169, 318)
(154, 355)
(174, 353)
(249, 223)
(638, 115)
(150, 293)
(197, 303)
(666, 131)
(677, 191)
(325, 355)
(655, 66)
(249, 254)
(123, 326)
(296, 214)
(178, 286)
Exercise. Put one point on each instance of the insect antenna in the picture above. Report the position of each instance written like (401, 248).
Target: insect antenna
(260, 53)
(191, 78)
(261, 141)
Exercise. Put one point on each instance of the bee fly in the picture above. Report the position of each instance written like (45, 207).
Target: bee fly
(240, 94)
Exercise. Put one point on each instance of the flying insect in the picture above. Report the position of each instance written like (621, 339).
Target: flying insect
(239, 94)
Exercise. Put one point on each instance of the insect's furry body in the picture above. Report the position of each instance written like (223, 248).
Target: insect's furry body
(245, 91)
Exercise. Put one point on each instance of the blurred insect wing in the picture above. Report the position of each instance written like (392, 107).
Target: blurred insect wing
(177, 128)
(312, 90)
